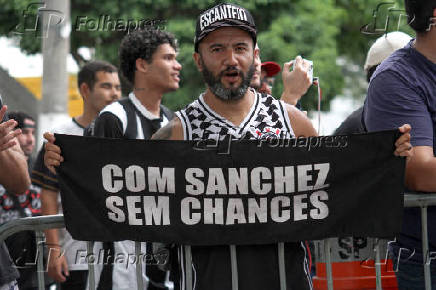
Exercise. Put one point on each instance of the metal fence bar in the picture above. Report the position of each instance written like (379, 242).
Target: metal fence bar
(419, 199)
(328, 262)
(282, 269)
(188, 266)
(139, 280)
(31, 224)
(234, 266)
(91, 262)
(39, 237)
(425, 251)
(38, 224)
(378, 281)
(422, 201)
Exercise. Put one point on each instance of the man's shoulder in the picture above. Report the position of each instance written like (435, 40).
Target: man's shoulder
(116, 108)
(190, 112)
(192, 105)
(111, 122)
(399, 64)
(70, 127)
(114, 113)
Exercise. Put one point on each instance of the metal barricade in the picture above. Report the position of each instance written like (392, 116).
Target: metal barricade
(39, 224)
(422, 200)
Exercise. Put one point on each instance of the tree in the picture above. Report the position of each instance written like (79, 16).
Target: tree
(351, 41)
(319, 30)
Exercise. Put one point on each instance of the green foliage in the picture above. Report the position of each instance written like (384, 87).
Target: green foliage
(319, 30)
(351, 42)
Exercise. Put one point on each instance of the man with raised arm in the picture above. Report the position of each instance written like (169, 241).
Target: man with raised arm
(15, 178)
(99, 86)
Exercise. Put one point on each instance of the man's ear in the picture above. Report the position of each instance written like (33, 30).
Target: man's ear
(197, 60)
(256, 52)
(141, 65)
(84, 90)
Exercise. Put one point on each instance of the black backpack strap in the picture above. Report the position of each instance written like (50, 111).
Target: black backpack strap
(89, 131)
(149, 127)
(131, 130)
(167, 112)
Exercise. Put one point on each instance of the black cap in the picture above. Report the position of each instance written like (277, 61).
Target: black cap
(224, 15)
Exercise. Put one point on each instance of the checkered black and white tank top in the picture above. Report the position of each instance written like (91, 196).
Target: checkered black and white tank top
(267, 118)
(257, 265)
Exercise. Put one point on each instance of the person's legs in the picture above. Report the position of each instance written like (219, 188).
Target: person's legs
(76, 281)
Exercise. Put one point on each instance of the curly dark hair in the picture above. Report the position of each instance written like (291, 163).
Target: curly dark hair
(419, 13)
(141, 44)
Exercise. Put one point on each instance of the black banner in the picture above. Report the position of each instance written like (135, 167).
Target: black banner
(235, 192)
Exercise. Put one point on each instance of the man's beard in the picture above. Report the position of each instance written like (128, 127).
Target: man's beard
(218, 88)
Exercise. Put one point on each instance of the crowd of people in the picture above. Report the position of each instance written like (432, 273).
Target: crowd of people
(402, 81)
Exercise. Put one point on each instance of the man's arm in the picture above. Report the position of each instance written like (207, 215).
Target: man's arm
(14, 175)
(57, 264)
(301, 125)
(390, 102)
(421, 170)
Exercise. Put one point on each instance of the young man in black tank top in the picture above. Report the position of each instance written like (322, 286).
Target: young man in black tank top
(148, 61)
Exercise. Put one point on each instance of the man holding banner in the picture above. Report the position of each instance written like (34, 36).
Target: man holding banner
(148, 61)
(99, 85)
(403, 89)
(228, 199)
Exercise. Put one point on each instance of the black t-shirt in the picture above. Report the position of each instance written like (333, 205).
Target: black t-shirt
(351, 125)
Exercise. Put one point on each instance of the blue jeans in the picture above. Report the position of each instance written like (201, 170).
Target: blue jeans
(410, 276)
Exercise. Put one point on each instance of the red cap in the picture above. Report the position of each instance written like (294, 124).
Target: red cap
(271, 68)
